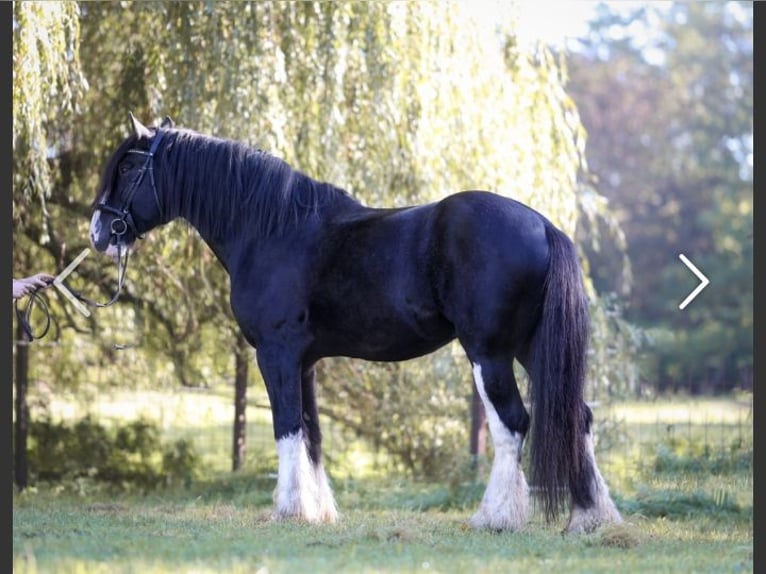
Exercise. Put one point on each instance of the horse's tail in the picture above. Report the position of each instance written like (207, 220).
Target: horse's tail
(558, 362)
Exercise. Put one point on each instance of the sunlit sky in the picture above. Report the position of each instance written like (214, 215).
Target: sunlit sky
(555, 21)
(551, 21)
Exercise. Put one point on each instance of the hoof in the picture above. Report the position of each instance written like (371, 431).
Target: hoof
(512, 520)
(584, 521)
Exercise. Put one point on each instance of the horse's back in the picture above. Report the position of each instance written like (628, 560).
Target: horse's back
(481, 219)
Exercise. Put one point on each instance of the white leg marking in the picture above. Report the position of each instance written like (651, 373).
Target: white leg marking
(326, 501)
(296, 485)
(505, 504)
(303, 491)
(603, 510)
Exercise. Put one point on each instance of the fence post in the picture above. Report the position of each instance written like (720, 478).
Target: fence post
(241, 367)
(20, 469)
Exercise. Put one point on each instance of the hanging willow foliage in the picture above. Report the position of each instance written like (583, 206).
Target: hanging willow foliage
(397, 102)
(47, 82)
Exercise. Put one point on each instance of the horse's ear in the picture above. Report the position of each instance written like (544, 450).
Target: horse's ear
(167, 123)
(138, 128)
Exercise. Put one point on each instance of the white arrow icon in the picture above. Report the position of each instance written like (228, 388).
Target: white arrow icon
(703, 281)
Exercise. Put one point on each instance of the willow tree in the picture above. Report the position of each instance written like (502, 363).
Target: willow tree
(396, 102)
(46, 84)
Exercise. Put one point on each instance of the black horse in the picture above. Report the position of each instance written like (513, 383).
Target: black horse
(316, 274)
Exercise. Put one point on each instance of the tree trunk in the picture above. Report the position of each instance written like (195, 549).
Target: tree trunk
(478, 440)
(22, 409)
(241, 366)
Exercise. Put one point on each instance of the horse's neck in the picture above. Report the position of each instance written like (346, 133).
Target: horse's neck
(229, 225)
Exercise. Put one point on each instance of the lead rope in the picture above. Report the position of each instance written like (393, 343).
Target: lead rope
(23, 315)
(122, 268)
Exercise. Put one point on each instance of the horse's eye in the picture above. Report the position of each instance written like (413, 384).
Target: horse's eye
(124, 168)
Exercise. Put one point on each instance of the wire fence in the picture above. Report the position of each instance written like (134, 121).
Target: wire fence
(632, 446)
(625, 434)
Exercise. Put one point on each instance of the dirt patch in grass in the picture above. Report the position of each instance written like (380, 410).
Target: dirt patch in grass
(623, 535)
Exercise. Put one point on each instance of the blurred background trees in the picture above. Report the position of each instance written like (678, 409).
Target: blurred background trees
(398, 103)
(670, 145)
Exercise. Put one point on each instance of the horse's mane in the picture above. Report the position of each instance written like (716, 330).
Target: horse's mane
(216, 183)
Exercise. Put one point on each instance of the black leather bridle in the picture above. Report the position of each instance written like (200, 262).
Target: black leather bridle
(124, 219)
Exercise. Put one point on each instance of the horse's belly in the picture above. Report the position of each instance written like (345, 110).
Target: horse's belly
(403, 347)
(385, 337)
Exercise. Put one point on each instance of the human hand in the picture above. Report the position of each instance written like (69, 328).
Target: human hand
(28, 285)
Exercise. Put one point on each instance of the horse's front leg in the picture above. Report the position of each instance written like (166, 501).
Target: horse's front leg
(302, 489)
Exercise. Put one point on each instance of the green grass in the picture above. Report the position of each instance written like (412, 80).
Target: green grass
(187, 534)
(687, 499)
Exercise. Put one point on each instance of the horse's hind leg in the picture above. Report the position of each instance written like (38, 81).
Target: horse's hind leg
(590, 512)
(505, 504)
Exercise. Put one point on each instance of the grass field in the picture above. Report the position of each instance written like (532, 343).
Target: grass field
(686, 499)
(157, 535)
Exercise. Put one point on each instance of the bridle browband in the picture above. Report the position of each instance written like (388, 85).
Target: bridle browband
(124, 219)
